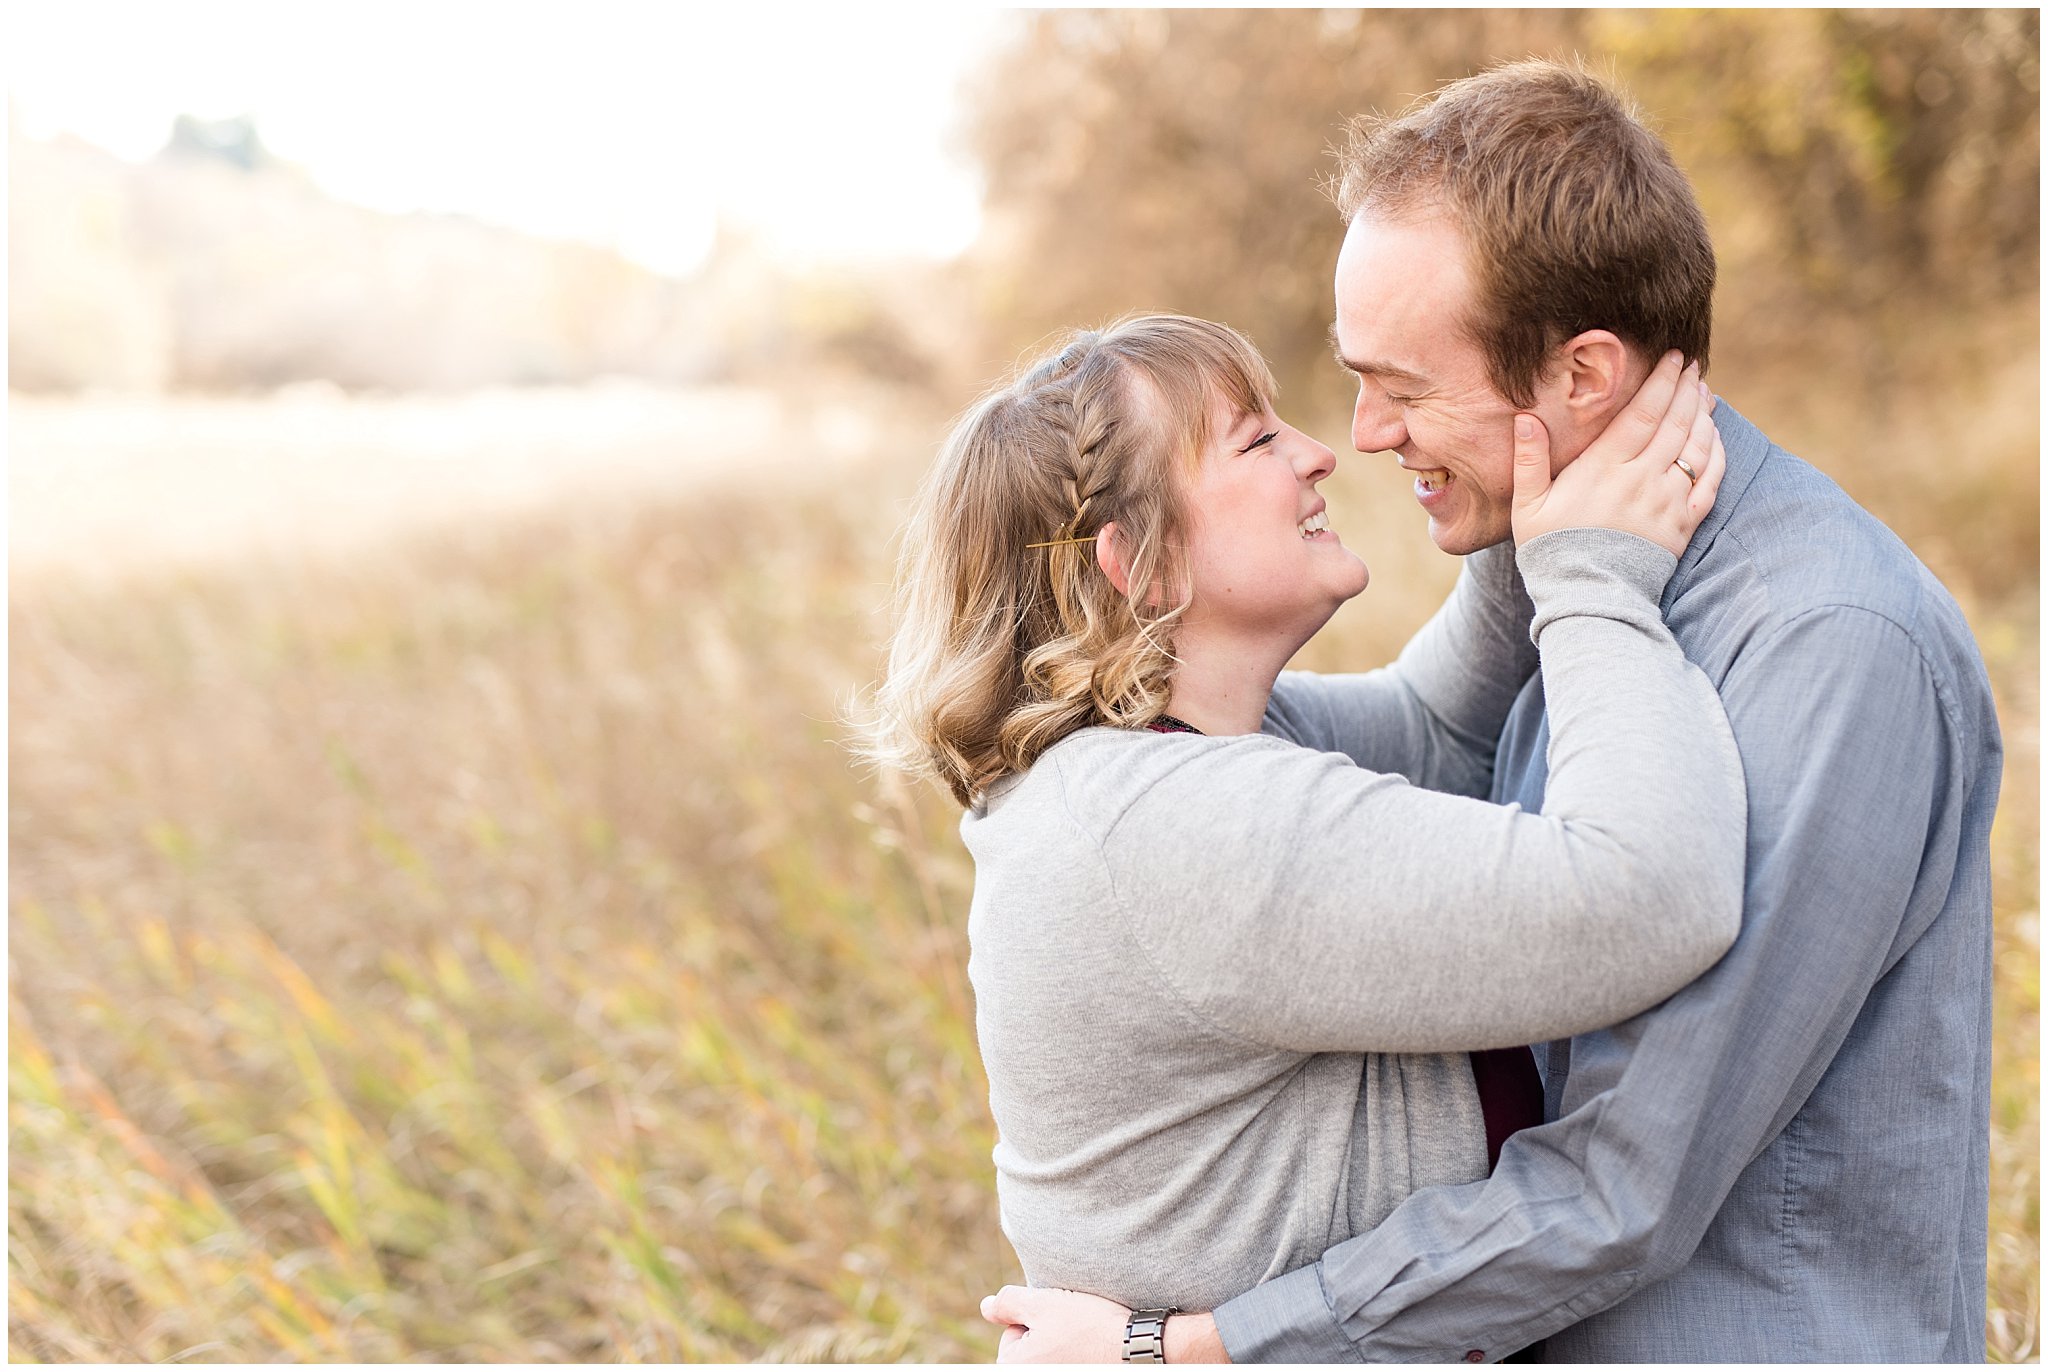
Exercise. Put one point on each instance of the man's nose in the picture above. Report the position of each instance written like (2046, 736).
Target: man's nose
(1376, 423)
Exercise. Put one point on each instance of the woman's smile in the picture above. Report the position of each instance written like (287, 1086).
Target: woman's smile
(1258, 467)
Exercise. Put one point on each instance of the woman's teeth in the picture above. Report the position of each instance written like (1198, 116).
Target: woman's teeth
(1314, 524)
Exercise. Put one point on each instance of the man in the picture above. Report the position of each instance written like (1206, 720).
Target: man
(1786, 1161)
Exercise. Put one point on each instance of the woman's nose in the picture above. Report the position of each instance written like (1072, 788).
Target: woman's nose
(1316, 461)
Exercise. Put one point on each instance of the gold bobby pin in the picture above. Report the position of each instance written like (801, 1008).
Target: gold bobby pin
(1056, 542)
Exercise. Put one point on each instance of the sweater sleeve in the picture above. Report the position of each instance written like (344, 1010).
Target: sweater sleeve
(1298, 901)
(1434, 714)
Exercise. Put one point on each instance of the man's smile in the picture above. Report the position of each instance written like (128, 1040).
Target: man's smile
(1429, 481)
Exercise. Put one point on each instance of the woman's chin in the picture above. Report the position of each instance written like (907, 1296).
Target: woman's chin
(1343, 586)
(1364, 575)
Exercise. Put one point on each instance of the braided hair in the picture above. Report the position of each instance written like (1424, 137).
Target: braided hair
(1009, 635)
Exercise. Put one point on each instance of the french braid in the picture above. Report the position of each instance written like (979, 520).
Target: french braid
(1009, 636)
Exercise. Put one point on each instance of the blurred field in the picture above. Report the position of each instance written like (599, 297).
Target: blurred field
(480, 950)
(444, 925)
(103, 489)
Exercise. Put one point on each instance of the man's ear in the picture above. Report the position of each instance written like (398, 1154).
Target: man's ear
(1109, 557)
(1593, 376)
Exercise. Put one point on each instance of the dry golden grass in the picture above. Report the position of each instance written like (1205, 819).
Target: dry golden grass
(482, 951)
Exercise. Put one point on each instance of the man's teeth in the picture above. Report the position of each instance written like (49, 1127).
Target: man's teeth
(1314, 524)
(1433, 480)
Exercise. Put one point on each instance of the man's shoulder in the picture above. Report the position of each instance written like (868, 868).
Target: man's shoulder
(1797, 550)
(1795, 543)
(1798, 531)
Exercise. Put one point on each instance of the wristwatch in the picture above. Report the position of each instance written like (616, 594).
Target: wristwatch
(1145, 1335)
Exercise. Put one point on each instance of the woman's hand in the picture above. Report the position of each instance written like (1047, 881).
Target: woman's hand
(1042, 1325)
(1056, 1326)
(1633, 476)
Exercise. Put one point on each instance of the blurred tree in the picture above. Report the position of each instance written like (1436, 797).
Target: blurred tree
(233, 141)
(1879, 161)
(1860, 160)
(1171, 160)
(83, 310)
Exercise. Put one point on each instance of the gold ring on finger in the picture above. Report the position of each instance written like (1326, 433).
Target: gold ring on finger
(1686, 467)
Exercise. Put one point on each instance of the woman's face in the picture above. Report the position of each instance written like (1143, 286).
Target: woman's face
(1263, 560)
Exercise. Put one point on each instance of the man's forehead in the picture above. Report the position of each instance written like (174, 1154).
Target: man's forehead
(1400, 286)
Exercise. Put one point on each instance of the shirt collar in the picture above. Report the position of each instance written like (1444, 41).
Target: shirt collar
(1747, 448)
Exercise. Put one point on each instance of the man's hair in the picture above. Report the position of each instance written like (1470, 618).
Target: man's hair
(1008, 637)
(1575, 215)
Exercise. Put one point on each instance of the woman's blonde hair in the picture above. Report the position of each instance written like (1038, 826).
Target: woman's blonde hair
(1001, 648)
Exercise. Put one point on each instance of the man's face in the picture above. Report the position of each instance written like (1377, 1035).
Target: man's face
(1423, 393)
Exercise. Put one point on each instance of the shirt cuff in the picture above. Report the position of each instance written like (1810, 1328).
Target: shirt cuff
(1287, 1319)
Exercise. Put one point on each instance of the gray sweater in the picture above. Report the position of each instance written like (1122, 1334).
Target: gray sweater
(1224, 985)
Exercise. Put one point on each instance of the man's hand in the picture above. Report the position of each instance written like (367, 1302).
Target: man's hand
(1071, 1326)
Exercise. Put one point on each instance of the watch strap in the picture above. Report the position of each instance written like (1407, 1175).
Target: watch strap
(1145, 1335)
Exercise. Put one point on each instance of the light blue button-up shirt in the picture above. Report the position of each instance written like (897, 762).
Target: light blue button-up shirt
(1788, 1160)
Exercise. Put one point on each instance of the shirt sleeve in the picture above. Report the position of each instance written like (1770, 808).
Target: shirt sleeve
(1434, 715)
(1269, 916)
(1661, 1114)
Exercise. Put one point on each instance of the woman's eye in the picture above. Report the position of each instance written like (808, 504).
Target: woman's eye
(1262, 440)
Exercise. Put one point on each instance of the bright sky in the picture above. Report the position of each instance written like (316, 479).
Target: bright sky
(831, 131)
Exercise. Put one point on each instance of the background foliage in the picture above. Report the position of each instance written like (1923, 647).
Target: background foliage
(478, 948)
(1882, 162)
(1871, 179)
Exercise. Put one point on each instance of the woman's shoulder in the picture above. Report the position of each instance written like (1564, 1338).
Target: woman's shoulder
(1122, 757)
(1102, 778)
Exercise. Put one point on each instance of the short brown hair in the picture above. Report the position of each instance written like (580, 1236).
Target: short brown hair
(1576, 216)
(1008, 636)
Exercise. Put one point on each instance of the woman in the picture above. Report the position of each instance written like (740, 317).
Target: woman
(1226, 984)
